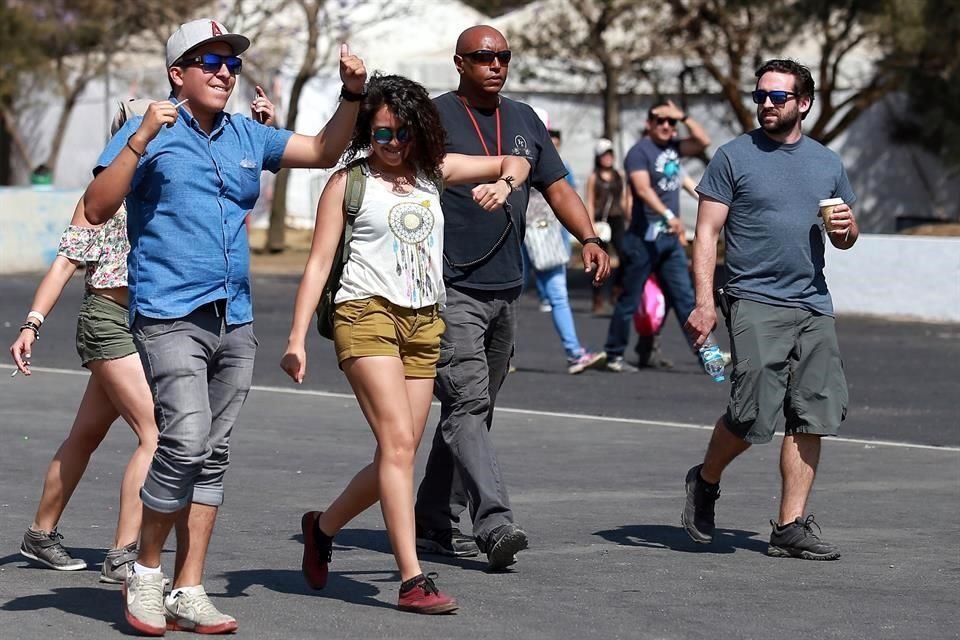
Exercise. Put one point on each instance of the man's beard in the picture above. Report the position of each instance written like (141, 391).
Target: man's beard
(785, 123)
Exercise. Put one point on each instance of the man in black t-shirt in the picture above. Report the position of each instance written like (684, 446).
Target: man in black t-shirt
(483, 273)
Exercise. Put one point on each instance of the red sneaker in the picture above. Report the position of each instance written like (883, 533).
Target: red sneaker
(424, 597)
(316, 554)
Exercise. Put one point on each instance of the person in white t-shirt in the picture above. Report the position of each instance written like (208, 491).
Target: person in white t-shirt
(387, 323)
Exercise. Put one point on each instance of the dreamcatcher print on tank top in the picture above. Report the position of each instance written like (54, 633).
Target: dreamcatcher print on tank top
(412, 226)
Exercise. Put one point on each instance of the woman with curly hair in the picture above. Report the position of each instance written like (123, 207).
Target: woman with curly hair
(387, 323)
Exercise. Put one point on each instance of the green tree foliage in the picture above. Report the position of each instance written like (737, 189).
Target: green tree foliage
(927, 59)
(55, 48)
(610, 44)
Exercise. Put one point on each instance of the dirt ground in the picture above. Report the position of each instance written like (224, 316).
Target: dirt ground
(290, 261)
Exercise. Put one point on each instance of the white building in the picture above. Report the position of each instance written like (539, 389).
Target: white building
(417, 41)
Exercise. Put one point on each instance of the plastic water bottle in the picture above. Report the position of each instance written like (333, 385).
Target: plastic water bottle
(712, 359)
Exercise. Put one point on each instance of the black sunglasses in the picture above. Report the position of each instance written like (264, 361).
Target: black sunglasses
(776, 97)
(486, 56)
(671, 121)
(211, 63)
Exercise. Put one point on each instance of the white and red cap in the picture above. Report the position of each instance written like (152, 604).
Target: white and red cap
(199, 32)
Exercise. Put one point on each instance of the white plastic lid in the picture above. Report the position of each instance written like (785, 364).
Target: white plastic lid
(830, 201)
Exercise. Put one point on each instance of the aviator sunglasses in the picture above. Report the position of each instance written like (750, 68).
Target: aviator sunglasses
(486, 56)
(776, 97)
(211, 63)
(384, 135)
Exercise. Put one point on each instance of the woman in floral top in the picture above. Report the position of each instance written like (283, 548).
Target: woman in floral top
(117, 386)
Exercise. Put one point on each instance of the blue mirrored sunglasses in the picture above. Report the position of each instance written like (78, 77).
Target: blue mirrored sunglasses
(211, 63)
(384, 135)
(776, 97)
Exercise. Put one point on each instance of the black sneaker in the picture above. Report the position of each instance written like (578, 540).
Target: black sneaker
(447, 542)
(797, 540)
(502, 545)
(697, 515)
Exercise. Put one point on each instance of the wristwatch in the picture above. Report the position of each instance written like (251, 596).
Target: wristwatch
(592, 240)
(349, 96)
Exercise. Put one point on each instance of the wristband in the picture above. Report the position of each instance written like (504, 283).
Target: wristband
(668, 215)
(592, 240)
(508, 180)
(349, 96)
(36, 314)
(130, 146)
(33, 326)
(684, 118)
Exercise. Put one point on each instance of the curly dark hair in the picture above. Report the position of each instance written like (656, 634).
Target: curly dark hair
(802, 79)
(412, 106)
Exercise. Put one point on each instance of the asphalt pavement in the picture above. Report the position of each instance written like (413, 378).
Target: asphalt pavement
(595, 467)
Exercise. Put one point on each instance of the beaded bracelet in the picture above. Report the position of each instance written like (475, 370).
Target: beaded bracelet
(33, 326)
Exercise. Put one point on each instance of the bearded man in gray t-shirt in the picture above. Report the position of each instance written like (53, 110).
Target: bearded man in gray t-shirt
(763, 190)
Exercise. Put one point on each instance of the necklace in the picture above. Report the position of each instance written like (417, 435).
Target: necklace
(476, 125)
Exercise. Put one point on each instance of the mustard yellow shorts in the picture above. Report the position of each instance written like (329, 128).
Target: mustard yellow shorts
(377, 327)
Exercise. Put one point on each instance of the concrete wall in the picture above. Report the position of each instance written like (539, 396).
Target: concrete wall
(31, 221)
(889, 276)
(897, 277)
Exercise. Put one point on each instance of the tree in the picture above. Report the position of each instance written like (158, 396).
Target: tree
(56, 47)
(729, 39)
(933, 85)
(609, 44)
(327, 24)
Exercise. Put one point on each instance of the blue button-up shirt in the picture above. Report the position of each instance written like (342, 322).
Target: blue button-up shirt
(186, 208)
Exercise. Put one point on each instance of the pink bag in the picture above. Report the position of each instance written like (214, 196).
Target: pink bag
(648, 318)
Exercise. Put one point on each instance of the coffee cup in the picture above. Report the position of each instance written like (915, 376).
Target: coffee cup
(826, 208)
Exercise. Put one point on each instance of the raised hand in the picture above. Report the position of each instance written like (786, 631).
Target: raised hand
(158, 115)
(352, 72)
(261, 109)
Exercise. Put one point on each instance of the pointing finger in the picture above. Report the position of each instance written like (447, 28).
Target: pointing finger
(344, 50)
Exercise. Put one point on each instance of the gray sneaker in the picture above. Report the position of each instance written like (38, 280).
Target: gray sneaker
(117, 563)
(143, 603)
(618, 365)
(46, 549)
(194, 612)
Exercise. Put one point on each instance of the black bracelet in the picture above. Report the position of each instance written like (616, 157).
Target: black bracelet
(592, 240)
(33, 326)
(130, 146)
(350, 96)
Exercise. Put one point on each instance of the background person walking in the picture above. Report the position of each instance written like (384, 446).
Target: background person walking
(117, 386)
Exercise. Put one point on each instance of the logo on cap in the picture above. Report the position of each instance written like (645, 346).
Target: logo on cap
(215, 28)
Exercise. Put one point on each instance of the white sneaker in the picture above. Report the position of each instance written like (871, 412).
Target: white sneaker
(143, 603)
(191, 610)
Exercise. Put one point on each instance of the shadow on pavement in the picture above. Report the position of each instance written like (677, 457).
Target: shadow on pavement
(86, 602)
(660, 536)
(290, 581)
(367, 539)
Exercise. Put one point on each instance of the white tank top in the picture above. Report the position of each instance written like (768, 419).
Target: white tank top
(396, 250)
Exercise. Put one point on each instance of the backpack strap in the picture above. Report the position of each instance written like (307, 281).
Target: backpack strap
(356, 187)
